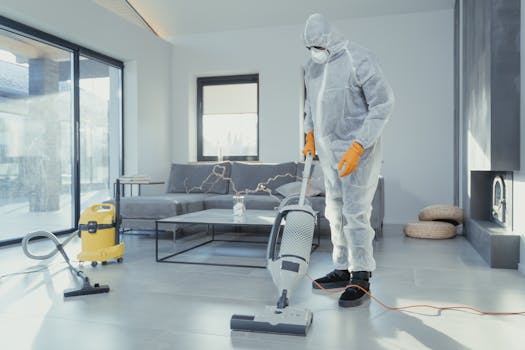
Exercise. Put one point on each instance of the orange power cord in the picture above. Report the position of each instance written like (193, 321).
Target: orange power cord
(401, 308)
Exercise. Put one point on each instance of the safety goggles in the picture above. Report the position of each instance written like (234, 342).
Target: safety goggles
(316, 47)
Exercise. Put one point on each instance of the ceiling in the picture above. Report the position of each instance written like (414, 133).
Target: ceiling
(124, 9)
(170, 18)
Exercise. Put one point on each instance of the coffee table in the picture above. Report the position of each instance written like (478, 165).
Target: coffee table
(213, 217)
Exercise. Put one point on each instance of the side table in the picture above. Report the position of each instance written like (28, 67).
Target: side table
(119, 186)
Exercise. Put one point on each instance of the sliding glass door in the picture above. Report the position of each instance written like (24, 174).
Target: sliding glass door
(60, 130)
(100, 115)
(36, 138)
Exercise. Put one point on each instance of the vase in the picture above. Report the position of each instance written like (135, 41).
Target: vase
(239, 207)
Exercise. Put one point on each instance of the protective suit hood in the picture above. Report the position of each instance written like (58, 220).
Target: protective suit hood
(319, 32)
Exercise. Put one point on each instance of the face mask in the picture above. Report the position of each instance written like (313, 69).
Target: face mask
(319, 56)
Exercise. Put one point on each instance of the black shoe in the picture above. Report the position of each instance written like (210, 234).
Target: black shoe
(335, 279)
(354, 296)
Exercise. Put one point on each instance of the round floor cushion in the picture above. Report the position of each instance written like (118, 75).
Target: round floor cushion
(445, 213)
(430, 230)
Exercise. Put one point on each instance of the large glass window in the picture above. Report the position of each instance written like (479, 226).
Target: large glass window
(48, 88)
(36, 154)
(228, 117)
(100, 115)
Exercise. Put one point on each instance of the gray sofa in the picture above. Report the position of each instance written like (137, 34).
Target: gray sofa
(197, 186)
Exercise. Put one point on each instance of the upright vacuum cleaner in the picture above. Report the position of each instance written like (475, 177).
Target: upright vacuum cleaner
(287, 267)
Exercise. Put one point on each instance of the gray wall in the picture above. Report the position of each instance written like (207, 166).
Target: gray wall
(490, 116)
(490, 88)
(519, 176)
(491, 83)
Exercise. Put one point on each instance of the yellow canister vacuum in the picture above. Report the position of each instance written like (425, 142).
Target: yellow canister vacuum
(99, 232)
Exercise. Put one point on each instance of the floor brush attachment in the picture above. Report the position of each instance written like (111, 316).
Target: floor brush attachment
(290, 321)
(87, 288)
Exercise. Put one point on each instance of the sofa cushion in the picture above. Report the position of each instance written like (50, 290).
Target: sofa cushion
(158, 207)
(199, 178)
(252, 202)
(294, 188)
(254, 178)
(318, 204)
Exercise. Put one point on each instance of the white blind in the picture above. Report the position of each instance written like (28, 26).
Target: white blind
(230, 99)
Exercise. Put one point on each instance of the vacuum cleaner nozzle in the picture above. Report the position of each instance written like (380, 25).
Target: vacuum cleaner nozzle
(86, 290)
(291, 321)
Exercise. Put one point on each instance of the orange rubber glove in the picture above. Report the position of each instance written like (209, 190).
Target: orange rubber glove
(350, 159)
(309, 146)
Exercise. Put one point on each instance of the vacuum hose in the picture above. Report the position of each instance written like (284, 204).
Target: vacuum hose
(59, 245)
(86, 288)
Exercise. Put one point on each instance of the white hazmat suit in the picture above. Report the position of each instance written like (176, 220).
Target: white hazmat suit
(348, 99)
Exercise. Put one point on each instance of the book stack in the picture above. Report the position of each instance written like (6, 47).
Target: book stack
(135, 179)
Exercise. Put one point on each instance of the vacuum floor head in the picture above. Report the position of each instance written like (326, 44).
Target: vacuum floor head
(291, 321)
(86, 290)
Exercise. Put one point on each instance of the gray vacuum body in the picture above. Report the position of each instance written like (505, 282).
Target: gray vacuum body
(287, 266)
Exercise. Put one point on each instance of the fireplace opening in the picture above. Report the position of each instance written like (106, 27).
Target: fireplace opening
(491, 198)
(499, 201)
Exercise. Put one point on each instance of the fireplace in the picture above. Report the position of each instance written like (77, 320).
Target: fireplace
(499, 201)
(492, 197)
(489, 227)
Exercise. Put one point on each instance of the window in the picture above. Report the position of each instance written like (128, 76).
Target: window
(227, 118)
(100, 115)
(48, 88)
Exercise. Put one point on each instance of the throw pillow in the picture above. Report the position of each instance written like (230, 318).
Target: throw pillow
(199, 178)
(246, 178)
(294, 188)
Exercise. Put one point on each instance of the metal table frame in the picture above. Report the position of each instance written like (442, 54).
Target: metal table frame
(119, 190)
(211, 229)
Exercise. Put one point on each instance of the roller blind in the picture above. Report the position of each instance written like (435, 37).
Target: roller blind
(230, 99)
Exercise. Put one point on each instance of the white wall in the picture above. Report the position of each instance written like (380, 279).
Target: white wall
(416, 52)
(147, 73)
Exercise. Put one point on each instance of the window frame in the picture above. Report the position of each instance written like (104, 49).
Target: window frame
(223, 80)
(77, 51)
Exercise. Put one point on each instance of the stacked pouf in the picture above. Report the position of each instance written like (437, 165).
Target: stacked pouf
(436, 222)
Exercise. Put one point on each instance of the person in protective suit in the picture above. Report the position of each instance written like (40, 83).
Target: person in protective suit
(348, 104)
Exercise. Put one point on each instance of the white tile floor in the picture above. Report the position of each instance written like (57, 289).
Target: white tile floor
(174, 306)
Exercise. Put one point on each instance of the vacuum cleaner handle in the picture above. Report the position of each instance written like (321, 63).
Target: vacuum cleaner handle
(306, 178)
(274, 233)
